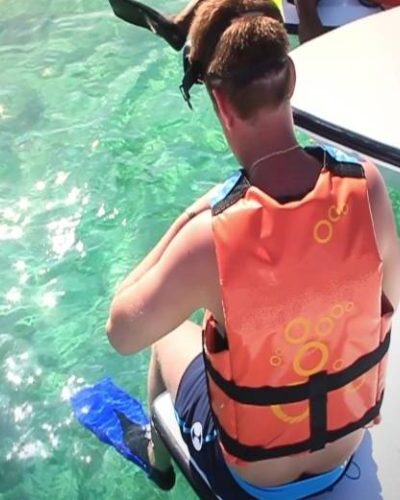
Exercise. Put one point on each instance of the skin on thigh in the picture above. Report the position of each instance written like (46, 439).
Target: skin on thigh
(175, 352)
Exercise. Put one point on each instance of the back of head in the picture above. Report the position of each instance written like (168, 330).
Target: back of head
(241, 48)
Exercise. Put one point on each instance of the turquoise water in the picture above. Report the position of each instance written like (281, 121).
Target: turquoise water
(98, 155)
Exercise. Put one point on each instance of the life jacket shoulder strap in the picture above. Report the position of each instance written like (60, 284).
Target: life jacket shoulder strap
(338, 162)
(343, 169)
(231, 191)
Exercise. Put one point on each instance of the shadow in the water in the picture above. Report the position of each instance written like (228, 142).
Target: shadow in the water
(361, 480)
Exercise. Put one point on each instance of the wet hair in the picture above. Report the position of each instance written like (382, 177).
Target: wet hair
(242, 47)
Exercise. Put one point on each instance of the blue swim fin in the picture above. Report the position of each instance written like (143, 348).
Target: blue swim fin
(119, 420)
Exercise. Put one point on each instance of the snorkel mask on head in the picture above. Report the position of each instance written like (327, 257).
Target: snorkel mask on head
(191, 75)
(194, 71)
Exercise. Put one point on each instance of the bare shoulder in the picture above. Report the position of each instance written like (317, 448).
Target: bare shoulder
(385, 231)
(376, 184)
(194, 241)
(193, 257)
(381, 208)
(199, 228)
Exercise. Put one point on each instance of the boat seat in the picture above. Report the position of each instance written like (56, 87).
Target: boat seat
(164, 421)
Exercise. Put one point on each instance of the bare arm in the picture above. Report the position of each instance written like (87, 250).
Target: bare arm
(155, 255)
(165, 295)
(386, 233)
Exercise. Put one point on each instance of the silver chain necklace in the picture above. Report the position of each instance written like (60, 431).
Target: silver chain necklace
(275, 153)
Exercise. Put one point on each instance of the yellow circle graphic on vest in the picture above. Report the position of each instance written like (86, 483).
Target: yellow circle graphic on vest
(338, 364)
(297, 330)
(337, 311)
(325, 326)
(288, 419)
(275, 361)
(323, 231)
(356, 384)
(298, 360)
(333, 213)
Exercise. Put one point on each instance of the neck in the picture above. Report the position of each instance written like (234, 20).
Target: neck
(268, 134)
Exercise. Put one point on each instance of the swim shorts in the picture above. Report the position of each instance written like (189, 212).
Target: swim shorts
(194, 415)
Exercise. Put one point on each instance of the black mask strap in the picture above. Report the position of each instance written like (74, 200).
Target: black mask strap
(194, 71)
(246, 76)
(192, 76)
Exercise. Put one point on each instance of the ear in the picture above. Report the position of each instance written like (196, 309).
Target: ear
(224, 108)
(292, 78)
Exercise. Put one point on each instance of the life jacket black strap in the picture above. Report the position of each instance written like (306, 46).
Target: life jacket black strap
(318, 410)
(255, 453)
(267, 395)
(342, 169)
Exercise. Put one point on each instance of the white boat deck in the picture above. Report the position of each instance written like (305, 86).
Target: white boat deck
(348, 86)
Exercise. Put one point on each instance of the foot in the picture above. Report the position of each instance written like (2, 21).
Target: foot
(138, 439)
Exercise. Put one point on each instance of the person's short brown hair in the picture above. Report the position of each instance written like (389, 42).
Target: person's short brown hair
(242, 48)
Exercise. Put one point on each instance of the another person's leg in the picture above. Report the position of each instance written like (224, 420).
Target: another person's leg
(310, 25)
(169, 360)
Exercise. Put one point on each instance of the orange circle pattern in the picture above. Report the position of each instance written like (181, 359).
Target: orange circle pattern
(356, 384)
(275, 361)
(338, 364)
(334, 214)
(337, 311)
(302, 322)
(279, 413)
(349, 306)
(326, 330)
(317, 231)
(307, 372)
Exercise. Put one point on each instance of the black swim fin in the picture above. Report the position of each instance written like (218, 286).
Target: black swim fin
(141, 15)
(137, 439)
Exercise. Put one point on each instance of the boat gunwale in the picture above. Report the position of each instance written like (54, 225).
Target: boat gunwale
(352, 140)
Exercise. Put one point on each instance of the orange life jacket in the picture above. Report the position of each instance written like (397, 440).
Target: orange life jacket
(302, 359)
